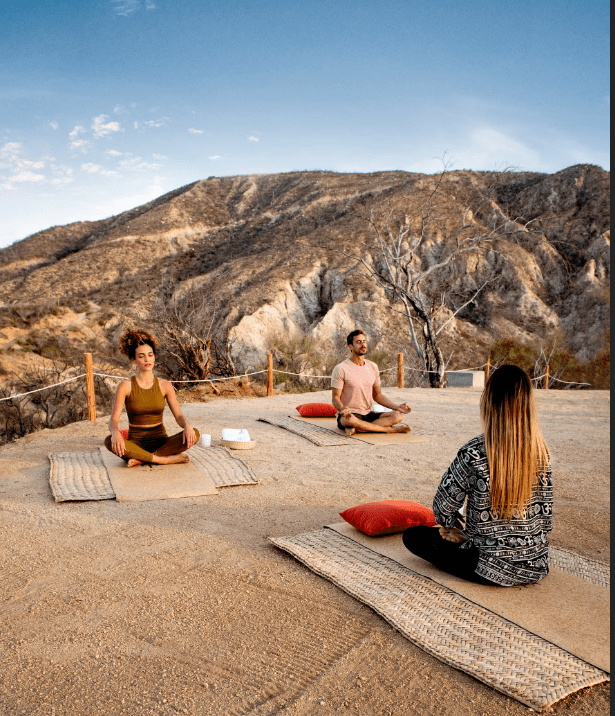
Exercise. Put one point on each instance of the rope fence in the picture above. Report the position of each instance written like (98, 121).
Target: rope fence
(270, 370)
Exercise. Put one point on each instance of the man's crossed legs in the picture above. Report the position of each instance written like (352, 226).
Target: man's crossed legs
(373, 422)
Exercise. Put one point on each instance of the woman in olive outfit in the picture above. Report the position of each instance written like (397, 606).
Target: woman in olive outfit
(145, 397)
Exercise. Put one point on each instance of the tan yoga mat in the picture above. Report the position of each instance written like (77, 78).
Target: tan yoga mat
(155, 482)
(79, 476)
(447, 625)
(563, 608)
(371, 438)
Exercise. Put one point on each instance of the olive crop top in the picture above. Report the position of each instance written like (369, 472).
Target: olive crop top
(145, 407)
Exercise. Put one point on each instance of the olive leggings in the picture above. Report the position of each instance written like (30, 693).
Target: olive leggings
(142, 442)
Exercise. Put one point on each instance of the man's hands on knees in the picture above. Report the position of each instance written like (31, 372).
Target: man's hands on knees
(404, 408)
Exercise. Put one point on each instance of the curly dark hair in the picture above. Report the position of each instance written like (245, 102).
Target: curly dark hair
(131, 340)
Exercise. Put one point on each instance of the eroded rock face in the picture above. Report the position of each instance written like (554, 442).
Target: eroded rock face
(269, 256)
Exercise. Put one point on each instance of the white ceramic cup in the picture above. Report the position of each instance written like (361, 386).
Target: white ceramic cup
(205, 441)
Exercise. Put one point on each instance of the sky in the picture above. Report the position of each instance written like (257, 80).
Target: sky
(108, 104)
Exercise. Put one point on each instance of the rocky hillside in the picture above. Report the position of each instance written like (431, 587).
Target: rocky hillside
(264, 256)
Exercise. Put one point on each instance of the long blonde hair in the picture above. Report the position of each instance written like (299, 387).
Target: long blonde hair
(516, 450)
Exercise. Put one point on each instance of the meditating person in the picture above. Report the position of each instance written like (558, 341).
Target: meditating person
(355, 385)
(144, 396)
(506, 476)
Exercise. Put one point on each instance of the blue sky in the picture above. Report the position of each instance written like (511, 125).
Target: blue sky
(107, 104)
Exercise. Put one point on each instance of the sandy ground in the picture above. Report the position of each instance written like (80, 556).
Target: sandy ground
(182, 606)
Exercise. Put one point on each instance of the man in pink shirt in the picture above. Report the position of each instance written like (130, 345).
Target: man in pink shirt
(355, 384)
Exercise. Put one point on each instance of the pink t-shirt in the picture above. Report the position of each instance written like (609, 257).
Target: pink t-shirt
(357, 383)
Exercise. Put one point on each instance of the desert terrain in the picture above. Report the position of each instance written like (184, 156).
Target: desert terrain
(263, 261)
(183, 606)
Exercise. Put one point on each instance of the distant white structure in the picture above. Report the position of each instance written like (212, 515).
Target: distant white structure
(467, 379)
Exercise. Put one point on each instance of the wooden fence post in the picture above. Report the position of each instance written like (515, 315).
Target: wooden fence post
(400, 370)
(89, 385)
(547, 378)
(269, 374)
(488, 367)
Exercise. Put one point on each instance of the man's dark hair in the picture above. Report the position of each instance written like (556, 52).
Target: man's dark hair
(351, 336)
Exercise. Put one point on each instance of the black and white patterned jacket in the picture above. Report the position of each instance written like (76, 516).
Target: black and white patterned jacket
(512, 552)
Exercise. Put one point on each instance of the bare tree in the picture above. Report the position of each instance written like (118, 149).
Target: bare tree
(414, 244)
(195, 346)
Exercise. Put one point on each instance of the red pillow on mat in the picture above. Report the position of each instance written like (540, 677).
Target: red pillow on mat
(317, 410)
(388, 517)
(124, 434)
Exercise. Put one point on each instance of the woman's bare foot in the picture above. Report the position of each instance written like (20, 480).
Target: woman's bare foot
(349, 431)
(401, 429)
(171, 459)
(134, 463)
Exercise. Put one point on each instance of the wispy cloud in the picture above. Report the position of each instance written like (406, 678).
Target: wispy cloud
(215, 156)
(252, 139)
(487, 146)
(192, 130)
(54, 125)
(113, 153)
(100, 129)
(81, 144)
(97, 169)
(9, 154)
(26, 176)
(159, 156)
(137, 164)
(76, 131)
(125, 7)
(10, 158)
(61, 180)
(24, 171)
(156, 122)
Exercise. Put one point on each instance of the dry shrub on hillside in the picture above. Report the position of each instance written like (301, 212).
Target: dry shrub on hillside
(297, 360)
(566, 372)
(50, 407)
(193, 344)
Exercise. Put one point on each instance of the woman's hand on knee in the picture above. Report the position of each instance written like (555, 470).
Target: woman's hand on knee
(189, 436)
(117, 443)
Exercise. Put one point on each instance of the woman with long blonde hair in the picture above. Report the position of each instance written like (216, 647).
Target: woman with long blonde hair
(505, 474)
(144, 397)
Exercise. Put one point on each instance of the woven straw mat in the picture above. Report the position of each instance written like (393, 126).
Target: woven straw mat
(314, 433)
(224, 469)
(444, 624)
(587, 569)
(79, 476)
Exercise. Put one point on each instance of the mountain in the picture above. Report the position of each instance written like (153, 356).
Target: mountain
(267, 257)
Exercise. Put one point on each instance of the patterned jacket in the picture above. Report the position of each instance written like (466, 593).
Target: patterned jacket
(511, 552)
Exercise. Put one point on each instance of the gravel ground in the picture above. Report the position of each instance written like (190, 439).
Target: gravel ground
(182, 606)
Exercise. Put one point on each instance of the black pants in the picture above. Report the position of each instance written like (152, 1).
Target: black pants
(427, 544)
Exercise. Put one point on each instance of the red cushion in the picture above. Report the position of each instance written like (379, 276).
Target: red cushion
(124, 434)
(388, 517)
(317, 410)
